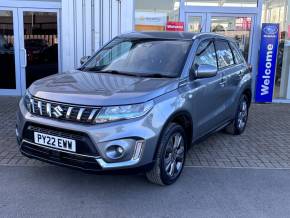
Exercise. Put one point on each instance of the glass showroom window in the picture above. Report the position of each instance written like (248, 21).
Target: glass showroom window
(152, 15)
(276, 12)
(222, 3)
(238, 28)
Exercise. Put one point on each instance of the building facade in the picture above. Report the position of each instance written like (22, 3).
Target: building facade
(40, 38)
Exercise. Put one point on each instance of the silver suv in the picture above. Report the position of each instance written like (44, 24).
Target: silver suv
(137, 104)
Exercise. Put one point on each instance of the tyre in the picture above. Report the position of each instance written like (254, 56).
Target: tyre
(170, 156)
(239, 123)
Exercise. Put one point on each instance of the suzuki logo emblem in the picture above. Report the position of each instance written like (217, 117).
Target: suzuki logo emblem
(57, 111)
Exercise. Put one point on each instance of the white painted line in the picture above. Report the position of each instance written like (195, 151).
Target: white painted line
(254, 168)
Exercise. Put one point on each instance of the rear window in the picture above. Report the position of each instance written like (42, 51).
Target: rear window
(238, 56)
(224, 54)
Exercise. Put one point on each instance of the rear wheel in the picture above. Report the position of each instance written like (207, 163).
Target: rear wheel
(170, 156)
(239, 123)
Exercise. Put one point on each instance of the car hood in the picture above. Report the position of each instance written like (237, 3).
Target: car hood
(101, 89)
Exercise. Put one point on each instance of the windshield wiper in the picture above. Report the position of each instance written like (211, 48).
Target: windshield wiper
(152, 75)
(92, 69)
(118, 72)
(98, 70)
(157, 75)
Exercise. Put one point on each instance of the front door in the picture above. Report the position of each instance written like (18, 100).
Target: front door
(209, 91)
(38, 45)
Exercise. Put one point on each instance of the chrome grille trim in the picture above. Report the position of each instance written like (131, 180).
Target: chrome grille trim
(63, 111)
(39, 107)
(81, 111)
(32, 105)
(68, 113)
(92, 114)
(48, 109)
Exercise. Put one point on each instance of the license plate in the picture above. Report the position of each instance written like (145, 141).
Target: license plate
(55, 142)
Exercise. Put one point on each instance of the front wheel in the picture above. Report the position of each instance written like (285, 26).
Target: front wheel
(170, 156)
(239, 123)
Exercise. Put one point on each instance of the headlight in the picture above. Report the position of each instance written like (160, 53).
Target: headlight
(115, 113)
(27, 101)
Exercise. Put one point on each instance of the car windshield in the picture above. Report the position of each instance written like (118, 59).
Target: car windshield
(141, 57)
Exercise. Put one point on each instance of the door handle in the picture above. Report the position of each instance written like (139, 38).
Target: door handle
(25, 58)
(223, 82)
(241, 74)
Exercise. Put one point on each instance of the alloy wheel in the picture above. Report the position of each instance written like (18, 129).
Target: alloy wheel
(243, 114)
(174, 155)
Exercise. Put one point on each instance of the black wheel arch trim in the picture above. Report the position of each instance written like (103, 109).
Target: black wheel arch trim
(171, 119)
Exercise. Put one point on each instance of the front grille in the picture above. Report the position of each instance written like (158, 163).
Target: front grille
(61, 111)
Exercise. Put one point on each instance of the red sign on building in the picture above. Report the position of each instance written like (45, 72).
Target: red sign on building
(175, 26)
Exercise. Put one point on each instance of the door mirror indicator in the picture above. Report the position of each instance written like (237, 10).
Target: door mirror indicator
(205, 71)
(84, 59)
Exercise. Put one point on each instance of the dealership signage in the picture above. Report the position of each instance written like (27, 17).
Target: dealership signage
(267, 63)
(175, 26)
(150, 18)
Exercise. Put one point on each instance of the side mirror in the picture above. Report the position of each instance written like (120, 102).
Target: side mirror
(84, 59)
(205, 71)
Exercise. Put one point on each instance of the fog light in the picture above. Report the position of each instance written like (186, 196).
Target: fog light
(115, 152)
(120, 150)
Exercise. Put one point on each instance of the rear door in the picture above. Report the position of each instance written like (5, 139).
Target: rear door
(229, 69)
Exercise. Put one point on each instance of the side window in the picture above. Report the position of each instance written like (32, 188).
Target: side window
(238, 56)
(206, 54)
(224, 54)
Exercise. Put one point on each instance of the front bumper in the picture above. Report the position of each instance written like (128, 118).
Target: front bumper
(92, 141)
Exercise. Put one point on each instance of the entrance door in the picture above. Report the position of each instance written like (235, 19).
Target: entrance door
(38, 44)
(238, 27)
(196, 22)
(9, 52)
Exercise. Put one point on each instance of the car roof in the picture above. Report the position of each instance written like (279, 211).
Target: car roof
(160, 35)
(172, 35)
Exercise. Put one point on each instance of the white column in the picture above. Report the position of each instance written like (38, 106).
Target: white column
(256, 40)
(67, 38)
(287, 53)
(127, 16)
(89, 24)
(76, 40)
(87, 16)
(97, 24)
(79, 30)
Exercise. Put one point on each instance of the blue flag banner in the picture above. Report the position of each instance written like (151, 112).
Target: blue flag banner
(267, 62)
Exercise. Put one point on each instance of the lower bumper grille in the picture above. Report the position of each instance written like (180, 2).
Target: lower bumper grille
(84, 145)
(59, 157)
